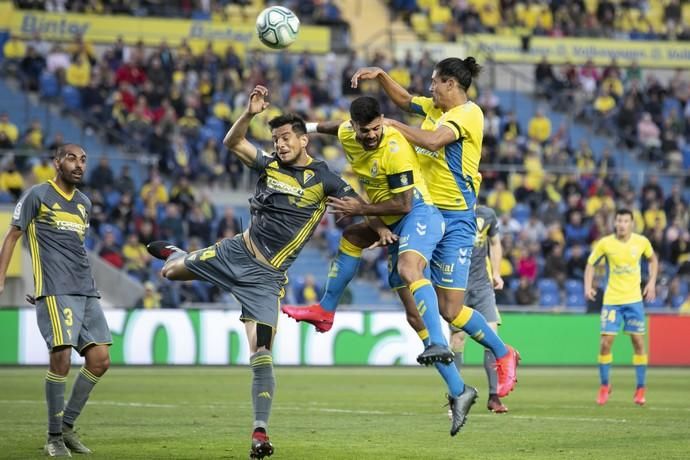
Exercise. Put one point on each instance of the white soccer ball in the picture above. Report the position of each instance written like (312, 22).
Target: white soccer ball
(277, 27)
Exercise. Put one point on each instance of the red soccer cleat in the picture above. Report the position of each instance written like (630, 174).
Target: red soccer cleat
(604, 392)
(495, 405)
(506, 369)
(639, 396)
(261, 446)
(314, 314)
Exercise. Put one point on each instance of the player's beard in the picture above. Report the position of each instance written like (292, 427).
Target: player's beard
(69, 178)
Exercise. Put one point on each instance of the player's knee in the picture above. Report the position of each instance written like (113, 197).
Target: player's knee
(448, 315)
(409, 273)
(60, 359)
(171, 269)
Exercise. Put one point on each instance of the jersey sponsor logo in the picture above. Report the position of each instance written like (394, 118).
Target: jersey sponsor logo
(447, 269)
(17, 211)
(393, 147)
(282, 187)
(423, 151)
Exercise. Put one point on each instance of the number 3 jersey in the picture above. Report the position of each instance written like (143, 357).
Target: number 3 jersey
(55, 225)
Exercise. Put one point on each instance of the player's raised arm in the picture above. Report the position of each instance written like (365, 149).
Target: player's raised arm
(324, 127)
(399, 95)
(236, 140)
(8, 244)
(430, 140)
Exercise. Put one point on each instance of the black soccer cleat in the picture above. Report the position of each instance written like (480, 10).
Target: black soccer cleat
(261, 446)
(435, 354)
(459, 407)
(162, 249)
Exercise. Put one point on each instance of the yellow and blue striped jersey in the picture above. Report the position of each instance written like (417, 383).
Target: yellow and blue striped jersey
(623, 263)
(380, 170)
(453, 171)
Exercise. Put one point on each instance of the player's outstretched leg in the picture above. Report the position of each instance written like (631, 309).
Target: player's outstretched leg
(460, 406)
(343, 269)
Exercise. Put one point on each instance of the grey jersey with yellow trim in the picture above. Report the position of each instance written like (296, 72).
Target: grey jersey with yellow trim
(55, 225)
(487, 227)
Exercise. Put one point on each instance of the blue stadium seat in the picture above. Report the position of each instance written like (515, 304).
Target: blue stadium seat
(71, 97)
(514, 284)
(575, 300)
(677, 301)
(217, 127)
(657, 303)
(686, 157)
(573, 286)
(49, 86)
(549, 294)
(521, 212)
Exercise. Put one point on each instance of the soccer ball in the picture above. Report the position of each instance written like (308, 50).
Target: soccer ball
(277, 27)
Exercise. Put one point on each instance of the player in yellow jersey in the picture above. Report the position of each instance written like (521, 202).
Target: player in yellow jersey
(622, 252)
(388, 168)
(449, 148)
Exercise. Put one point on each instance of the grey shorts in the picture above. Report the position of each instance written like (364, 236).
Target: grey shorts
(73, 320)
(229, 265)
(482, 300)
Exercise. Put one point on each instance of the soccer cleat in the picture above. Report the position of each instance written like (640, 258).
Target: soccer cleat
(261, 446)
(639, 396)
(495, 405)
(314, 314)
(435, 354)
(459, 408)
(506, 369)
(603, 396)
(55, 447)
(162, 249)
(73, 442)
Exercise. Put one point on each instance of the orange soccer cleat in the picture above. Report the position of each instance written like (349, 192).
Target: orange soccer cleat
(506, 369)
(314, 314)
(639, 396)
(603, 396)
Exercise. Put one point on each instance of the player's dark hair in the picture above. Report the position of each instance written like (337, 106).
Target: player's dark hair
(364, 110)
(463, 70)
(624, 212)
(64, 149)
(298, 125)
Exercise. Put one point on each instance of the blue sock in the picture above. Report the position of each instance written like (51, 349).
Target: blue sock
(343, 269)
(605, 368)
(476, 326)
(451, 376)
(427, 305)
(640, 363)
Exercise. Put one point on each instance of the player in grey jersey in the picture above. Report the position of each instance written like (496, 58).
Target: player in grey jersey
(55, 217)
(484, 277)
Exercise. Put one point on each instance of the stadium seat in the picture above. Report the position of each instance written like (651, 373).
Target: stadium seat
(521, 212)
(514, 284)
(549, 294)
(573, 286)
(71, 97)
(49, 86)
(657, 303)
(575, 300)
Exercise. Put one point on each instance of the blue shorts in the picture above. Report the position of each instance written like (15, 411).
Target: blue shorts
(419, 231)
(450, 263)
(631, 313)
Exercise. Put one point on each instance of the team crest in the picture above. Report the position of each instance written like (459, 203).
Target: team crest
(308, 175)
(480, 223)
(393, 147)
(403, 179)
(82, 210)
(374, 168)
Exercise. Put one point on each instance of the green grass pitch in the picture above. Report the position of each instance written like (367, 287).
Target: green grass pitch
(356, 413)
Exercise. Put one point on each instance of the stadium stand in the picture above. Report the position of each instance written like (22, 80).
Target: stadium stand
(556, 161)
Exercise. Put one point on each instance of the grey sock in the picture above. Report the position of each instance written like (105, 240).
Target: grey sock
(490, 367)
(80, 394)
(263, 386)
(55, 400)
(458, 359)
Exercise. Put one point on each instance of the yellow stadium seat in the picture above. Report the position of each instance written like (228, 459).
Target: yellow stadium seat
(435, 37)
(420, 23)
(440, 15)
(426, 4)
(686, 13)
